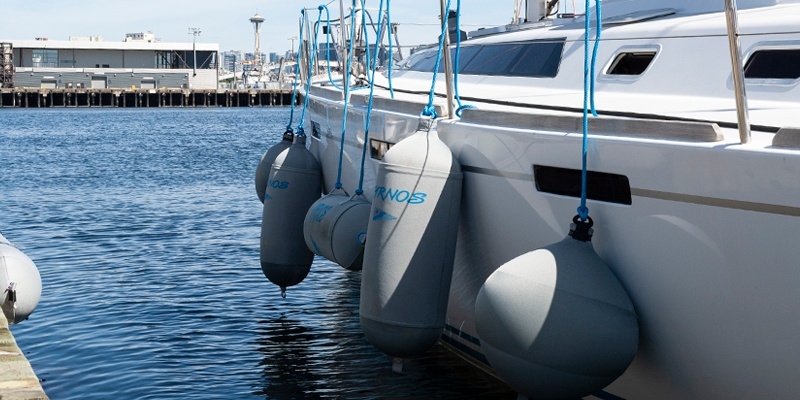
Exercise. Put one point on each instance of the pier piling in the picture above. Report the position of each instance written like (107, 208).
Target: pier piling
(135, 98)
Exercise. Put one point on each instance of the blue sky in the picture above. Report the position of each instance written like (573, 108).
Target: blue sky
(223, 22)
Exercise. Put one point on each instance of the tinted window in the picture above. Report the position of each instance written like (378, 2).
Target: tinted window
(413, 59)
(492, 60)
(425, 62)
(773, 64)
(538, 59)
(466, 55)
(531, 59)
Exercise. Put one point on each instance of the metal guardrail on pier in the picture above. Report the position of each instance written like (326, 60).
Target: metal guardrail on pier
(134, 98)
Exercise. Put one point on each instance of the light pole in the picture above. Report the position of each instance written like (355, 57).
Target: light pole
(195, 33)
(291, 49)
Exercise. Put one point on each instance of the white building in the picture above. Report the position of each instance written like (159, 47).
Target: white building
(139, 62)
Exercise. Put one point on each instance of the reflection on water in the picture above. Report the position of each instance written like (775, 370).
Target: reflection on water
(144, 225)
(287, 362)
(321, 353)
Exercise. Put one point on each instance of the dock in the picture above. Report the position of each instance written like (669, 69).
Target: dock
(17, 379)
(138, 98)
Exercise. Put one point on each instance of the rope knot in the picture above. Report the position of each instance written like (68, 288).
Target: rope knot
(430, 111)
(583, 212)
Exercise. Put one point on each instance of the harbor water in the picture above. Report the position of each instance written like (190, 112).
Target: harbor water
(144, 224)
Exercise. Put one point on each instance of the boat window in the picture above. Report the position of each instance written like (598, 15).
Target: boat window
(632, 63)
(466, 55)
(538, 60)
(492, 60)
(529, 59)
(423, 61)
(773, 64)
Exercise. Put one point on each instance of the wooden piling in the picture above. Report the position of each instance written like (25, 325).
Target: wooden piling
(63, 97)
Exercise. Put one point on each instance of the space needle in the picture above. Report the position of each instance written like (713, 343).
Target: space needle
(257, 20)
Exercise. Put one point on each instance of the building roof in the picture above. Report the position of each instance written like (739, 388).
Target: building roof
(102, 45)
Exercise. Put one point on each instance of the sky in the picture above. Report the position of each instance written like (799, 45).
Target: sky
(219, 21)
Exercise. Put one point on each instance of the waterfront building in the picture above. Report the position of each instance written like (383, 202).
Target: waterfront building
(140, 62)
(327, 51)
(232, 60)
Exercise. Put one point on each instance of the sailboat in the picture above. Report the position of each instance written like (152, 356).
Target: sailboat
(649, 251)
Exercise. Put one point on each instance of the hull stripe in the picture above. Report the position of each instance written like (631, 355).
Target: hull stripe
(476, 356)
(659, 195)
(463, 335)
(466, 350)
(718, 202)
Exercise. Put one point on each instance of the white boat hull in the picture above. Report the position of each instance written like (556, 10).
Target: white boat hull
(706, 247)
(707, 250)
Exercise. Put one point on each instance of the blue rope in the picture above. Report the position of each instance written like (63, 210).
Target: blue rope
(461, 107)
(328, 48)
(389, 36)
(594, 52)
(346, 82)
(300, 131)
(376, 55)
(296, 73)
(373, 67)
(430, 110)
(366, 39)
(583, 211)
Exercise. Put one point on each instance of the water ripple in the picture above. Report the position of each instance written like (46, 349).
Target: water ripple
(144, 225)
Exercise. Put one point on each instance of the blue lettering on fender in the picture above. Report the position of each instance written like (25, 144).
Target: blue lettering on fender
(276, 184)
(380, 215)
(399, 195)
(319, 211)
